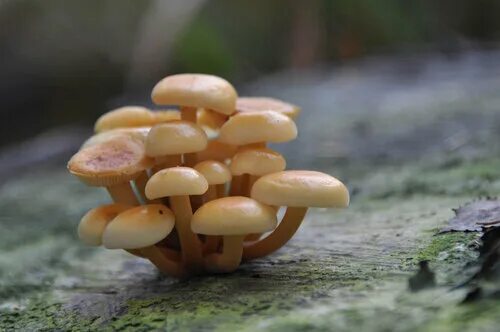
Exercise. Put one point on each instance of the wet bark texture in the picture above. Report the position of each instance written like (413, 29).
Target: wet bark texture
(412, 142)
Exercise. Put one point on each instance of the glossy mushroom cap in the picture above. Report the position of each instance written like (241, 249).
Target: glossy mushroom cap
(260, 161)
(251, 104)
(301, 189)
(137, 132)
(256, 127)
(214, 171)
(139, 227)
(176, 137)
(115, 161)
(233, 216)
(176, 181)
(94, 222)
(219, 151)
(128, 116)
(196, 90)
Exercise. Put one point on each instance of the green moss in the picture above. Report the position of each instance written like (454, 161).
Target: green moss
(446, 246)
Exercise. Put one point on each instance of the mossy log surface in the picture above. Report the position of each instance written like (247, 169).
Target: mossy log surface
(410, 152)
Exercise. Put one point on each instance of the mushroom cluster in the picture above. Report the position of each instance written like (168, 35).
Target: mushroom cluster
(196, 190)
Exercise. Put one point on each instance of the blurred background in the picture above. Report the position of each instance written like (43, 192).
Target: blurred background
(63, 63)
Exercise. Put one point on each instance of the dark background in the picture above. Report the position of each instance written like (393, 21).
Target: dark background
(63, 63)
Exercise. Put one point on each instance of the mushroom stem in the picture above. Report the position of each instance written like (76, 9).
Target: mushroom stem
(165, 265)
(190, 243)
(123, 193)
(236, 185)
(230, 258)
(279, 237)
(211, 194)
(211, 244)
(221, 190)
(212, 241)
(140, 184)
(166, 162)
(190, 159)
(252, 146)
(135, 252)
(188, 113)
(245, 178)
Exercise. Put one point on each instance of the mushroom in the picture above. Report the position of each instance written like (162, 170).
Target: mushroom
(140, 228)
(297, 190)
(94, 222)
(253, 163)
(112, 164)
(137, 132)
(250, 164)
(128, 116)
(167, 142)
(254, 129)
(178, 183)
(217, 175)
(251, 104)
(193, 91)
(233, 218)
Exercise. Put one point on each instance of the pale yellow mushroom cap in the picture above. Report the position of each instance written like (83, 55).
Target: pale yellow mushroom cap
(128, 116)
(196, 90)
(235, 215)
(301, 189)
(137, 132)
(259, 161)
(176, 181)
(214, 171)
(118, 160)
(166, 116)
(94, 222)
(139, 227)
(257, 127)
(176, 137)
(217, 151)
(250, 104)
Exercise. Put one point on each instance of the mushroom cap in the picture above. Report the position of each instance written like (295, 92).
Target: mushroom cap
(137, 132)
(300, 189)
(250, 104)
(256, 127)
(258, 161)
(94, 222)
(176, 181)
(118, 160)
(128, 116)
(139, 227)
(196, 90)
(235, 215)
(214, 171)
(176, 137)
(217, 150)
(166, 115)
(210, 119)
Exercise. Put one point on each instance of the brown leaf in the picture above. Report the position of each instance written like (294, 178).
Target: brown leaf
(475, 216)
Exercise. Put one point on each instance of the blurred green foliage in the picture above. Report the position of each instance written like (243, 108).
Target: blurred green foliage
(67, 62)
